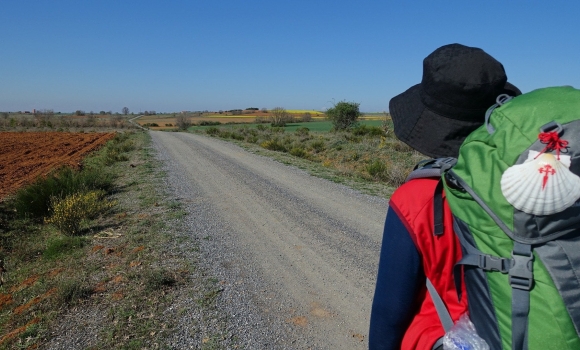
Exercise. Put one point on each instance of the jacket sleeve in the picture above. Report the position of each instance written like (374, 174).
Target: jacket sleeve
(399, 281)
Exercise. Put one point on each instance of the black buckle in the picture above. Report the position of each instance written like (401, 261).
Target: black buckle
(521, 273)
(494, 263)
(452, 182)
(445, 163)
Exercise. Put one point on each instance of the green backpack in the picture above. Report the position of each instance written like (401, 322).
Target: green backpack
(514, 195)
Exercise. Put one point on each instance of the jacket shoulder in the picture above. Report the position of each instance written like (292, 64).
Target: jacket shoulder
(414, 196)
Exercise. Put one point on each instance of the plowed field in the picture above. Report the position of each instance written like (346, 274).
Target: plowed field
(24, 156)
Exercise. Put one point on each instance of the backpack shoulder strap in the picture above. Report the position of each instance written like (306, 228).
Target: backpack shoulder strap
(434, 168)
(431, 168)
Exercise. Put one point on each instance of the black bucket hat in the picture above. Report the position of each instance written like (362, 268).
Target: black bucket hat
(459, 84)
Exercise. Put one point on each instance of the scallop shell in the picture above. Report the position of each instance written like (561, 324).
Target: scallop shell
(542, 185)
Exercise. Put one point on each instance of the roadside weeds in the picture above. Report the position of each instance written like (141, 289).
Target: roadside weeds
(366, 158)
(112, 286)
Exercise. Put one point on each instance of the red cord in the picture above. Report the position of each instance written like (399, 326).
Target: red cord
(553, 142)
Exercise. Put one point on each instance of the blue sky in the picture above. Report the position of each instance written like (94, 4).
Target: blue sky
(225, 54)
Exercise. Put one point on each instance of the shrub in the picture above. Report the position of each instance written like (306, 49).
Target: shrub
(318, 145)
(209, 123)
(273, 145)
(397, 174)
(302, 131)
(362, 130)
(353, 138)
(298, 152)
(252, 139)
(67, 214)
(279, 117)
(343, 115)
(182, 122)
(34, 200)
(212, 131)
(377, 169)
(400, 147)
(114, 151)
(114, 155)
(387, 123)
(237, 136)
(261, 127)
(225, 134)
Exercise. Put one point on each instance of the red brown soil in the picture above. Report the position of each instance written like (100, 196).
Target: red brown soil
(5, 299)
(97, 247)
(100, 287)
(24, 156)
(26, 283)
(20, 309)
(18, 331)
(134, 263)
(55, 272)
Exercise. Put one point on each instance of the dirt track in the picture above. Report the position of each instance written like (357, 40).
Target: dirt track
(26, 155)
(296, 255)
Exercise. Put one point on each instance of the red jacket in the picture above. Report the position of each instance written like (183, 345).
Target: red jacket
(413, 204)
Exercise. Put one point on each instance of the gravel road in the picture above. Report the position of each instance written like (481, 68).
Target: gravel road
(295, 255)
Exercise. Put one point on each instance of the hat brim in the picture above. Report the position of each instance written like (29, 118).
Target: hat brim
(428, 132)
(511, 90)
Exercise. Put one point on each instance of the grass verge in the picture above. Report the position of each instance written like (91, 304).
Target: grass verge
(368, 157)
(110, 283)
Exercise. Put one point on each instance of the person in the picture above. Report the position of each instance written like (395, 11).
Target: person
(459, 84)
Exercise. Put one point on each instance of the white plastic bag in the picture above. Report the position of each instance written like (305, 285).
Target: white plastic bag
(462, 336)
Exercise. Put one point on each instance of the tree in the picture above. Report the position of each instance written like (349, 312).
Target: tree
(125, 110)
(343, 115)
(182, 122)
(279, 117)
(116, 120)
(91, 120)
(43, 117)
(387, 123)
(5, 116)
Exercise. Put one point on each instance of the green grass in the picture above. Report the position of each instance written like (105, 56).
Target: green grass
(59, 246)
